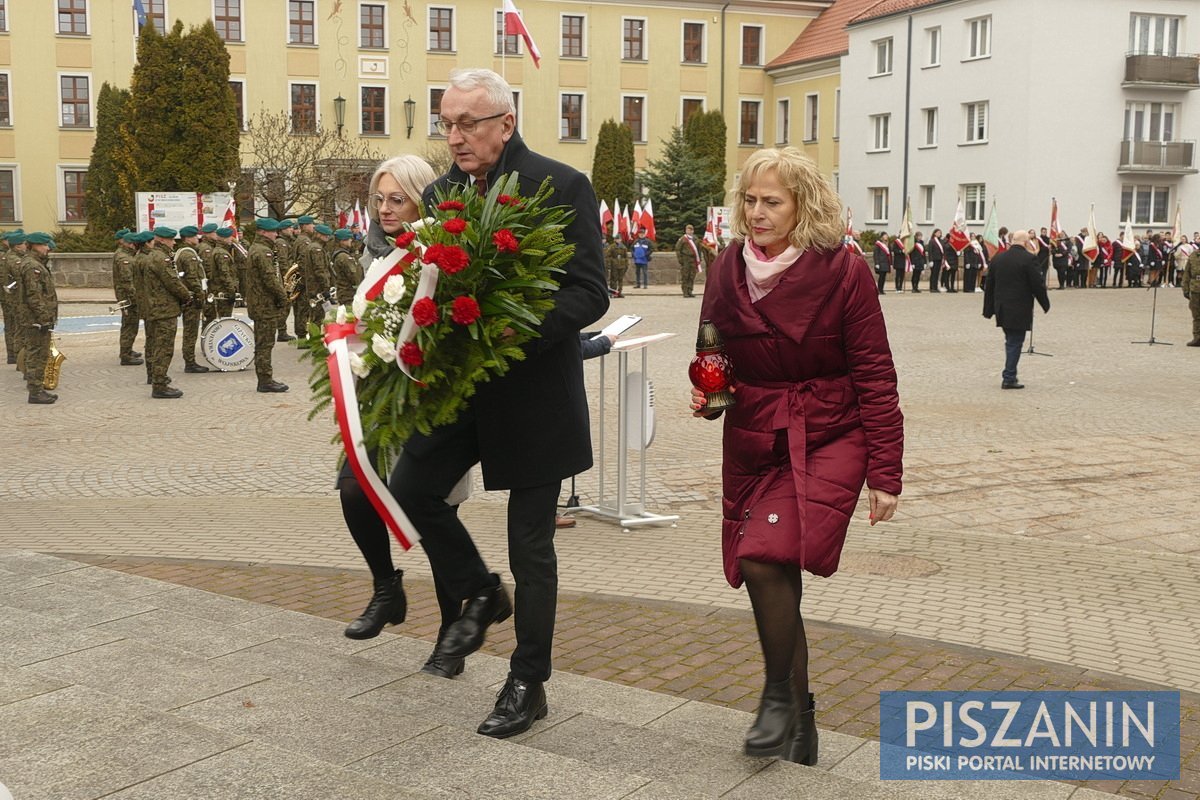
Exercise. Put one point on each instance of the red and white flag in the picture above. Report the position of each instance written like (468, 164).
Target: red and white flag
(606, 216)
(514, 25)
(343, 218)
(1091, 247)
(1127, 242)
(356, 216)
(850, 237)
(635, 216)
(616, 219)
(622, 223)
(958, 230)
(1055, 228)
(1177, 229)
(647, 220)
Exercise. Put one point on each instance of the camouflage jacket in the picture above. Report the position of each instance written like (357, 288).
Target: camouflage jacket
(191, 269)
(38, 298)
(347, 274)
(165, 293)
(122, 273)
(222, 279)
(263, 290)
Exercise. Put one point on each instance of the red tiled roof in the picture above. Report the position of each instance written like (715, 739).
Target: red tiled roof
(884, 8)
(825, 36)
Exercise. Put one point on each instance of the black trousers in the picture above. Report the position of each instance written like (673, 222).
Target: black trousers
(880, 279)
(935, 274)
(426, 472)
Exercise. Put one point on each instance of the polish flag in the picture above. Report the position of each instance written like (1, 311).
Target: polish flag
(1127, 242)
(356, 217)
(958, 230)
(1091, 247)
(622, 224)
(1055, 228)
(514, 25)
(647, 220)
(343, 218)
(606, 216)
(635, 216)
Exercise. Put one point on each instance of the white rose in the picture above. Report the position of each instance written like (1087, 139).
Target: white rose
(384, 348)
(341, 315)
(393, 289)
(359, 306)
(358, 366)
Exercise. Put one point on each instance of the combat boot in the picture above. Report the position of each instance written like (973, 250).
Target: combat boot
(42, 397)
(166, 393)
(272, 386)
(194, 367)
(131, 361)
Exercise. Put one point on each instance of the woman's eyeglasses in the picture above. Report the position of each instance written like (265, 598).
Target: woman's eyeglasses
(394, 200)
(465, 126)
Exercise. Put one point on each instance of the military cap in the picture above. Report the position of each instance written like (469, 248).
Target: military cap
(163, 232)
(209, 227)
(145, 237)
(284, 224)
(305, 220)
(342, 234)
(188, 230)
(266, 224)
(15, 238)
(224, 233)
(131, 236)
(121, 233)
(324, 230)
(12, 234)
(38, 237)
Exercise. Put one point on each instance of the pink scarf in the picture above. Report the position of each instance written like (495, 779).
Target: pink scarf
(764, 273)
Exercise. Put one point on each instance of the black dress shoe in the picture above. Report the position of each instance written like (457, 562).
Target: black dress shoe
(776, 721)
(1012, 385)
(195, 368)
(466, 634)
(272, 386)
(284, 337)
(166, 393)
(42, 397)
(442, 665)
(131, 361)
(388, 606)
(518, 704)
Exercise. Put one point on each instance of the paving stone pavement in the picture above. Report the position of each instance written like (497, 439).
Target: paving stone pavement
(1052, 523)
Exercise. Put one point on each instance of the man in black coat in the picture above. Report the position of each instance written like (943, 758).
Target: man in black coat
(1014, 282)
(528, 429)
(883, 260)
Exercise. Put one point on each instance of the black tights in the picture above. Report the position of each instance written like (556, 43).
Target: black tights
(775, 592)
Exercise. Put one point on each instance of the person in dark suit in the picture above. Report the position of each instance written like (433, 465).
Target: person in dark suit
(937, 255)
(1014, 282)
(883, 261)
(528, 429)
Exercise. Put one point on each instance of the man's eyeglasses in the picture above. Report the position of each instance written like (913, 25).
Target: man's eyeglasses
(465, 126)
(394, 200)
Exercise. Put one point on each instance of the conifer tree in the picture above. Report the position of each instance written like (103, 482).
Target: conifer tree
(679, 185)
(109, 198)
(204, 155)
(705, 133)
(148, 129)
(612, 165)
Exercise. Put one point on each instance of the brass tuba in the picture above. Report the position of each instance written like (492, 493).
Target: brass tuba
(53, 368)
(291, 282)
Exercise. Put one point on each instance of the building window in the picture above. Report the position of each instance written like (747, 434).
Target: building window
(374, 110)
(516, 95)
(689, 107)
(371, 32)
(72, 17)
(783, 122)
(926, 194)
(74, 187)
(239, 98)
(979, 37)
(837, 114)
(227, 17)
(748, 132)
(883, 57)
(752, 45)
(570, 124)
(977, 115)
(633, 39)
(435, 110)
(930, 116)
(511, 42)
(693, 43)
(441, 30)
(304, 108)
(881, 130)
(156, 14)
(75, 101)
(633, 114)
(811, 111)
(1151, 122)
(1153, 35)
(933, 47)
(3, 15)
(5, 104)
(973, 196)
(1145, 205)
(8, 195)
(571, 45)
(302, 28)
(879, 204)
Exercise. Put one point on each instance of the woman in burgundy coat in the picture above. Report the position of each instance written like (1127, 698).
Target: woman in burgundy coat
(816, 415)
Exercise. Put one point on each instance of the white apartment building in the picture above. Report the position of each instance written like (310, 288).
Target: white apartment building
(1017, 102)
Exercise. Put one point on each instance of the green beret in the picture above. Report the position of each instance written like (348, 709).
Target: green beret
(131, 236)
(188, 230)
(14, 234)
(324, 230)
(224, 233)
(306, 220)
(38, 237)
(342, 234)
(284, 224)
(209, 227)
(121, 233)
(15, 238)
(145, 237)
(266, 224)
(163, 232)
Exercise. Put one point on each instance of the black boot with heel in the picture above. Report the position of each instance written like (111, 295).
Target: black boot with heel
(802, 749)
(776, 722)
(388, 606)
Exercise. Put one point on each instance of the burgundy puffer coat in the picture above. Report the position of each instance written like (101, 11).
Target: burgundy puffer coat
(817, 411)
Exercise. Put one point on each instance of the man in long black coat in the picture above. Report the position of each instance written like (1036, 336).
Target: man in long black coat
(528, 429)
(1014, 282)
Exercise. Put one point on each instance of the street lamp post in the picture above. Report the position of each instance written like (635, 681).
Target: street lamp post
(410, 110)
(339, 113)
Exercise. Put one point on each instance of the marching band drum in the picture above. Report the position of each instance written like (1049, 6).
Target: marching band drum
(228, 343)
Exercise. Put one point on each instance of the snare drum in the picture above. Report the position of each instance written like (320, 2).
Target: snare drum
(228, 343)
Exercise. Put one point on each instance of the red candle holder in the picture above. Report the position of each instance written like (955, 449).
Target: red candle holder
(711, 371)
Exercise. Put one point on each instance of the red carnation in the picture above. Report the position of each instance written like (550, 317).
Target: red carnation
(411, 354)
(455, 226)
(405, 239)
(505, 241)
(506, 199)
(425, 312)
(465, 310)
(451, 205)
(449, 258)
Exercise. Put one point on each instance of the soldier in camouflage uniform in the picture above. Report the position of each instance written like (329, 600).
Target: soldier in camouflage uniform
(122, 276)
(39, 312)
(10, 271)
(208, 242)
(142, 243)
(317, 276)
(301, 245)
(616, 260)
(241, 256)
(347, 271)
(285, 251)
(191, 272)
(1190, 281)
(165, 298)
(265, 300)
(8, 297)
(222, 281)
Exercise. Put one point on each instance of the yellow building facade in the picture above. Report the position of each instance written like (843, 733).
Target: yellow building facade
(649, 64)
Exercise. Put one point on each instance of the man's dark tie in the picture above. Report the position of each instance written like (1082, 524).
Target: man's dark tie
(481, 186)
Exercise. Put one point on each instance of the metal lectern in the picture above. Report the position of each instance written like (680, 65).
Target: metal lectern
(618, 500)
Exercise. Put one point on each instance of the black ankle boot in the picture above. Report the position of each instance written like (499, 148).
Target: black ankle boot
(776, 720)
(388, 606)
(802, 749)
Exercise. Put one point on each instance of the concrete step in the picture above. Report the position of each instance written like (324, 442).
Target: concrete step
(118, 686)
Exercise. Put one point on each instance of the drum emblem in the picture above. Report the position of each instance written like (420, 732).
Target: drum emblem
(229, 345)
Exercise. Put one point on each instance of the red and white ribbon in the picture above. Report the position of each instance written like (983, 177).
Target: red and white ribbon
(338, 338)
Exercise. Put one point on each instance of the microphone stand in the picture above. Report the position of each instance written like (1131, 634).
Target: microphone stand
(1153, 312)
(1031, 351)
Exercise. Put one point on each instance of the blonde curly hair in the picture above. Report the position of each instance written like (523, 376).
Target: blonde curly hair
(818, 208)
